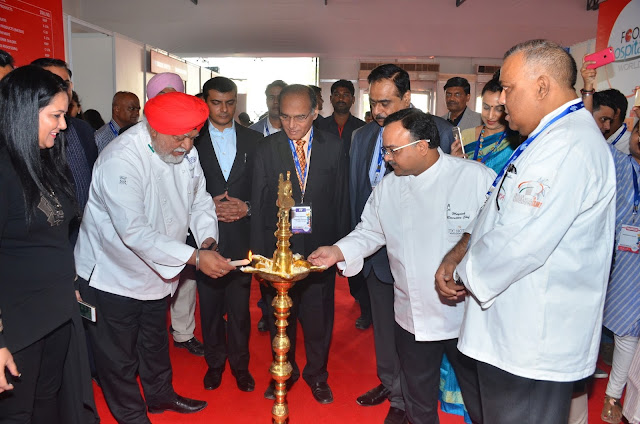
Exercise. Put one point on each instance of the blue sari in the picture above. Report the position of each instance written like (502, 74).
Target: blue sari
(492, 155)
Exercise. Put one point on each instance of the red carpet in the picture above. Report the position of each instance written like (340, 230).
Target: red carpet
(351, 373)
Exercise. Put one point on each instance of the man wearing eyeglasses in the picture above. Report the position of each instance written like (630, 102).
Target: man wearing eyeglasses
(125, 111)
(318, 166)
(147, 191)
(389, 92)
(418, 212)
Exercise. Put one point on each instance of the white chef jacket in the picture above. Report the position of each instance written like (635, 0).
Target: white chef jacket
(623, 143)
(132, 238)
(419, 219)
(538, 267)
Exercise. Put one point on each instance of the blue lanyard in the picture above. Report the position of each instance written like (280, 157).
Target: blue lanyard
(624, 130)
(636, 192)
(302, 176)
(266, 127)
(484, 158)
(380, 169)
(529, 140)
(115, 132)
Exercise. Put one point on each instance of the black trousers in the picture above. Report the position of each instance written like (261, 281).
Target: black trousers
(420, 377)
(384, 322)
(227, 295)
(313, 305)
(130, 337)
(34, 398)
(359, 291)
(508, 398)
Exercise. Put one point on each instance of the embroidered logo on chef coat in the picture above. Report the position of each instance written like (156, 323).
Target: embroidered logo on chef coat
(123, 180)
(457, 220)
(531, 193)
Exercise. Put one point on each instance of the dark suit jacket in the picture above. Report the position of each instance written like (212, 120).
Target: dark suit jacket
(329, 124)
(233, 236)
(85, 133)
(362, 150)
(326, 191)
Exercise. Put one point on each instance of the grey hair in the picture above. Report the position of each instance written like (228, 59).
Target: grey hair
(549, 56)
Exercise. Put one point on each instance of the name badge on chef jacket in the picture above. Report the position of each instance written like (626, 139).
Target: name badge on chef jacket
(301, 219)
(629, 240)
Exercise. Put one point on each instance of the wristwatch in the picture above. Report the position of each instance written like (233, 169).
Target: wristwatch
(248, 208)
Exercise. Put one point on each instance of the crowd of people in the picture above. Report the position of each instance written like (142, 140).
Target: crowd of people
(487, 250)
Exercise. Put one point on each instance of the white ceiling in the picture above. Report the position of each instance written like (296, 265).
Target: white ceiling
(342, 29)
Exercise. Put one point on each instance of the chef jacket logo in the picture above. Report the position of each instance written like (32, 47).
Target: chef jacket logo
(457, 220)
(531, 193)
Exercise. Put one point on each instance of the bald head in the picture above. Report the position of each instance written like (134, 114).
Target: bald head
(125, 108)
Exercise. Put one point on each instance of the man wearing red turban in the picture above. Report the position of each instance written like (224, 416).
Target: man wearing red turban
(148, 191)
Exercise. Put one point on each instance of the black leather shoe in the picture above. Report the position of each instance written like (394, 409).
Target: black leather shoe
(245, 381)
(270, 392)
(179, 404)
(213, 378)
(262, 325)
(396, 416)
(375, 396)
(193, 345)
(322, 392)
(362, 323)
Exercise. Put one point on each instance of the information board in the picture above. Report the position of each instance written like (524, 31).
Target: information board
(31, 29)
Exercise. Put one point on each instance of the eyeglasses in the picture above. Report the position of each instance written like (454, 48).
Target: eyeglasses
(298, 118)
(387, 151)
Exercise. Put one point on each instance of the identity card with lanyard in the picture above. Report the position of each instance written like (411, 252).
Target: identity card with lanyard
(528, 141)
(301, 214)
(629, 240)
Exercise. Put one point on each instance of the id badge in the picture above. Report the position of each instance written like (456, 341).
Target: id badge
(301, 219)
(629, 240)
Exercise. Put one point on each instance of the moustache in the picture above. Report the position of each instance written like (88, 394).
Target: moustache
(380, 117)
(180, 150)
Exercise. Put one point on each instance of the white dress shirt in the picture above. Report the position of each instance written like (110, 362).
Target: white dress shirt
(133, 233)
(538, 267)
(419, 219)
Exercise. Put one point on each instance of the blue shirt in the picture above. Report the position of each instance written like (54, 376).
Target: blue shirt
(224, 144)
(622, 304)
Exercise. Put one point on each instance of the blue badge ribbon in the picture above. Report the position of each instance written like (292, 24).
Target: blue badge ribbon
(302, 176)
(516, 154)
(624, 130)
(636, 192)
(380, 169)
(113, 129)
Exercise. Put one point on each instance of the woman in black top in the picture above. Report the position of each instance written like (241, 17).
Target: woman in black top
(37, 298)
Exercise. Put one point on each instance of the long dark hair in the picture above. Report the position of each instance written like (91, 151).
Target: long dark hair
(23, 93)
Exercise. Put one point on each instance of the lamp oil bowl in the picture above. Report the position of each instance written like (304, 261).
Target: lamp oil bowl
(281, 271)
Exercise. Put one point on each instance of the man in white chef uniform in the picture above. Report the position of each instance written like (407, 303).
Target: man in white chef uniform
(419, 212)
(147, 190)
(537, 261)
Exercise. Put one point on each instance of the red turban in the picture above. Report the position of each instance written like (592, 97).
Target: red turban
(176, 113)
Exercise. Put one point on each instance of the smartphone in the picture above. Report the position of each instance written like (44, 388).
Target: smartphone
(601, 58)
(637, 102)
(87, 311)
(457, 135)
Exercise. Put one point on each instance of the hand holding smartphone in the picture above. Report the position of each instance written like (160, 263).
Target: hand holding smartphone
(600, 58)
(457, 136)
